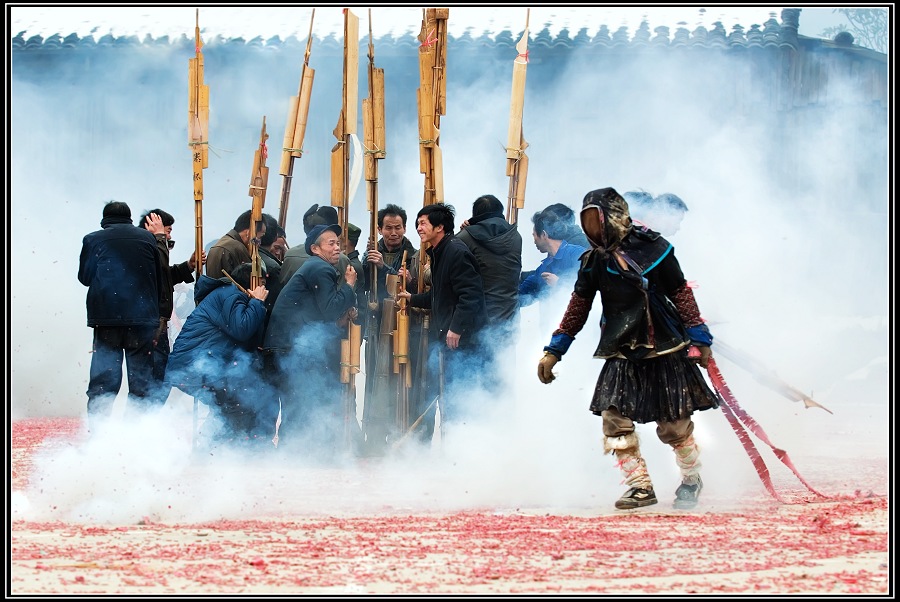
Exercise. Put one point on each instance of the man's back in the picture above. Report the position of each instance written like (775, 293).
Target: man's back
(120, 266)
(497, 247)
(223, 323)
(226, 254)
(295, 257)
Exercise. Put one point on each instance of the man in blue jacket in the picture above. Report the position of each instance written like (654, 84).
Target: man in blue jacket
(304, 336)
(214, 357)
(554, 277)
(122, 269)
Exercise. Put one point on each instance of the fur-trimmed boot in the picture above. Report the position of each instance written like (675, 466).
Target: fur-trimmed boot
(687, 456)
(634, 468)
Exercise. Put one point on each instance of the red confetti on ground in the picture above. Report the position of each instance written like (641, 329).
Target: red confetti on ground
(837, 547)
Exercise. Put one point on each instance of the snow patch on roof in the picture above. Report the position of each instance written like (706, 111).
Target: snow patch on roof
(268, 21)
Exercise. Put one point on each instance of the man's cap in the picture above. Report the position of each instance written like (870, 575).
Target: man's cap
(328, 213)
(353, 233)
(316, 215)
(316, 232)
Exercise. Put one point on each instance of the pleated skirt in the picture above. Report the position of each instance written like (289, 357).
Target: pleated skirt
(661, 389)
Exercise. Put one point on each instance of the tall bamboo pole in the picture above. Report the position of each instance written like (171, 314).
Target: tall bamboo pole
(198, 143)
(295, 128)
(198, 137)
(259, 179)
(379, 317)
(516, 159)
(340, 199)
(431, 97)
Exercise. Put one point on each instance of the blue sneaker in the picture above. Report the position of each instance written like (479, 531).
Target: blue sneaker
(687, 494)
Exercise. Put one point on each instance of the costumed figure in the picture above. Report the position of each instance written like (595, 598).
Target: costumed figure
(652, 338)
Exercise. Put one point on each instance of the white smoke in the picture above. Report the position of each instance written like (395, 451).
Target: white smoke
(797, 280)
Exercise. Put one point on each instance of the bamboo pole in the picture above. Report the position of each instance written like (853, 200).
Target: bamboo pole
(516, 159)
(198, 136)
(295, 128)
(431, 97)
(259, 178)
(198, 143)
(340, 199)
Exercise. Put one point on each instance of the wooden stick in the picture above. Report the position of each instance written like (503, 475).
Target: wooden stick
(241, 288)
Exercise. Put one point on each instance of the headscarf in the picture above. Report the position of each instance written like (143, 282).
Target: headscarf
(614, 217)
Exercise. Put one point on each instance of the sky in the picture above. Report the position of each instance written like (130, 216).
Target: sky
(780, 276)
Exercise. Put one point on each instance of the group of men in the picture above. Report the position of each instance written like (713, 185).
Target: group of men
(271, 361)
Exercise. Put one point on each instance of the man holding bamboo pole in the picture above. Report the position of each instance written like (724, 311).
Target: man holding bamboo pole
(233, 248)
(385, 410)
(304, 336)
(456, 300)
(431, 100)
(389, 358)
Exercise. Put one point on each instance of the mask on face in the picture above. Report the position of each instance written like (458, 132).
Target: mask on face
(605, 219)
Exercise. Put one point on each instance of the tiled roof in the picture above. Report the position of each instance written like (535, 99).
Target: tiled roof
(770, 34)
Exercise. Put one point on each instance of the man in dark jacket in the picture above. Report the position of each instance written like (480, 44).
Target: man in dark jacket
(270, 260)
(213, 358)
(122, 269)
(171, 275)
(383, 392)
(497, 246)
(304, 335)
(387, 256)
(297, 255)
(458, 316)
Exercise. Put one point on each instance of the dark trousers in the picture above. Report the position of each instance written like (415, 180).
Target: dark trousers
(451, 374)
(159, 390)
(236, 409)
(312, 406)
(112, 345)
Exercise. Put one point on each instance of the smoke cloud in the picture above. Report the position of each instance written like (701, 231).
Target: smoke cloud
(790, 264)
